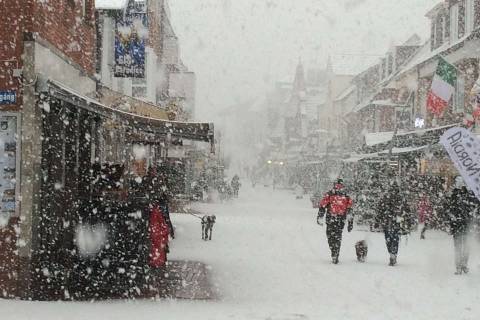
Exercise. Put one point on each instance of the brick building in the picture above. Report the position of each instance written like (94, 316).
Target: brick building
(38, 39)
(52, 135)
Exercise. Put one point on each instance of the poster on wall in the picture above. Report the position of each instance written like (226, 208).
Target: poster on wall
(8, 166)
(131, 34)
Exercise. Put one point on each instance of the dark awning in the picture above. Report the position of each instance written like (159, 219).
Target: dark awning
(411, 141)
(196, 131)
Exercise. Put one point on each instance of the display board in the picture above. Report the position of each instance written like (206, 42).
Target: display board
(131, 34)
(9, 165)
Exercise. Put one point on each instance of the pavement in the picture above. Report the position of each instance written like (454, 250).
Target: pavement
(189, 280)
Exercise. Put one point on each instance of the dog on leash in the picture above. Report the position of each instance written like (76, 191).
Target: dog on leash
(207, 227)
(361, 249)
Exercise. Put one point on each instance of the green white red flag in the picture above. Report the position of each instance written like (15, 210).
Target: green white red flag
(443, 87)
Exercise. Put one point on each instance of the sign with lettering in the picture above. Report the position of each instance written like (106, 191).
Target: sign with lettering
(463, 147)
(8, 97)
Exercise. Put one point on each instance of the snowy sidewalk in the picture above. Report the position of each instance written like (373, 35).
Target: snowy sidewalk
(187, 280)
(270, 260)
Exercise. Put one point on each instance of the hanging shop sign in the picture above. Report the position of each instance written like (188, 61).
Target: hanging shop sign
(9, 165)
(8, 97)
(463, 147)
(131, 33)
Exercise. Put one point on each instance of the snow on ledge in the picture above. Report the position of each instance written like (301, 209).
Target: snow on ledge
(111, 4)
(374, 138)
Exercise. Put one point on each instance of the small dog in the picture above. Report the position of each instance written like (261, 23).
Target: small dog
(207, 227)
(361, 248)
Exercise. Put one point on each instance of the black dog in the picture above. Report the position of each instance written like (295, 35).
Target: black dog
(361, 248)
(207, 227)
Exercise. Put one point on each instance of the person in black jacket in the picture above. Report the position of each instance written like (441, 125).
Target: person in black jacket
(461, 206)
(395, 219)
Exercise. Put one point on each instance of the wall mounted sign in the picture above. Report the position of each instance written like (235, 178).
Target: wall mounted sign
(8, 97)
(9, 165)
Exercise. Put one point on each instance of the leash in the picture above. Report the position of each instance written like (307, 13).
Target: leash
(196, 216)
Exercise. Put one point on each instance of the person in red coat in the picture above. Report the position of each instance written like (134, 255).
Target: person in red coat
(158, 238)
(425, 213)
(337, 205)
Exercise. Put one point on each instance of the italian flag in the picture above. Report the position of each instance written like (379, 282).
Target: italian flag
(443, 86)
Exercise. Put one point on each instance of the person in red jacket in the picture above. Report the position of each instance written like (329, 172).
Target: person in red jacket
(336, 204)
(158, 238)
(425, 213)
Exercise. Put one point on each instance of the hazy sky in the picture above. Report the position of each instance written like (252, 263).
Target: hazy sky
(239, 48)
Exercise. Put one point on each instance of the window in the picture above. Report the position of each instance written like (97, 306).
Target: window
(454, 21)
(390, 63)
(459, 97)
(432, 35)
(139, 88)
(469, 16)
(439, 31)
(384, 68)
(446, 26)
(461, 19)
(476, 14)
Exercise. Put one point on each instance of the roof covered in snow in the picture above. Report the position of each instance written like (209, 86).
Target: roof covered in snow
(111, 4)
(404, 150)
(347, 64)
(345, 93)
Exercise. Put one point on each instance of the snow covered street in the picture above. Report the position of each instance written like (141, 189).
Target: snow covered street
(270, 260)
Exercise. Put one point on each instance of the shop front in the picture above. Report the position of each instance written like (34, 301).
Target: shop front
(101, 172)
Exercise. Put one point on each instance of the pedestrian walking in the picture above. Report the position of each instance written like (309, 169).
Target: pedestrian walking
(461, 207)
(235, 185)
(395, 218)
(425, 213)
(336, 207)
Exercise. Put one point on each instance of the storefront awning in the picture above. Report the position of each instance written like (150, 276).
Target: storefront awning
(196, 131)
(421, 137)
(375, 138)
(398, 151)
(358, 157)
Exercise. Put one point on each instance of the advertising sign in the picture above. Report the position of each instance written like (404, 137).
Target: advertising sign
(9, 165)
(131, 33)
(463, 147)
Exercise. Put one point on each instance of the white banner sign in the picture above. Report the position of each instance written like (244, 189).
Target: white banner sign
(463, 148)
